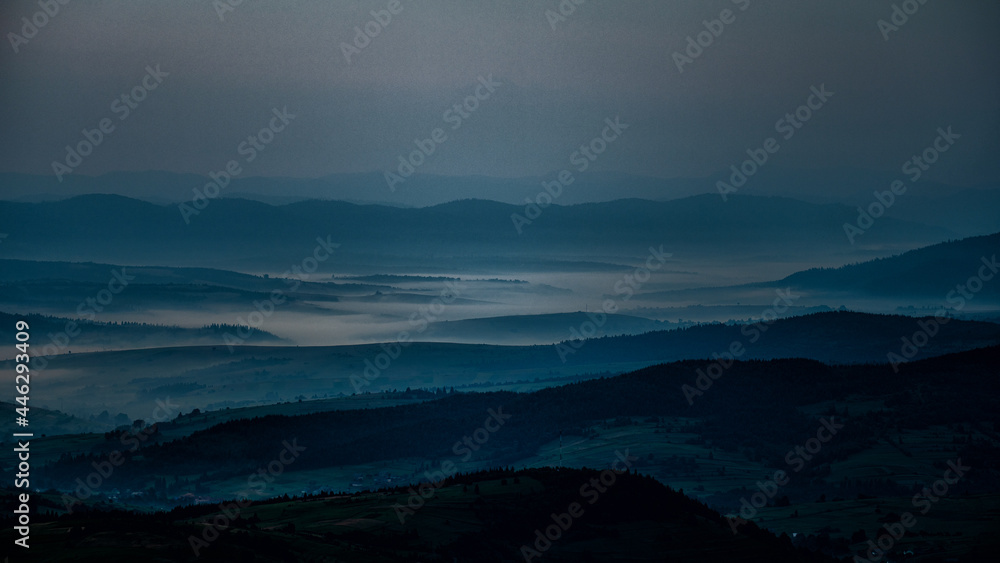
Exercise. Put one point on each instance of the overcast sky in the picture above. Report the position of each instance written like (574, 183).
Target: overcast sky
(557, 86)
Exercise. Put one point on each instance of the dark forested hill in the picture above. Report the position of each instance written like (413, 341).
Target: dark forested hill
(751, 404)
(487, 516)
(832, 337)
(891, 432)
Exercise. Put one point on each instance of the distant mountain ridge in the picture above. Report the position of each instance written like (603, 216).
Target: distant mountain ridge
(965, 210)
(116, 228)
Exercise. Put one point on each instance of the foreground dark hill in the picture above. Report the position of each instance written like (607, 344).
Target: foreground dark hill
(232, 231)
(752, 405)
(887, 435)
(487, 516)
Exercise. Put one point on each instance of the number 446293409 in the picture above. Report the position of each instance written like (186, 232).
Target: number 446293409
(23, 376)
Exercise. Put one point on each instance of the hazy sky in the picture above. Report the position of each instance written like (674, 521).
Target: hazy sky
(556, 86)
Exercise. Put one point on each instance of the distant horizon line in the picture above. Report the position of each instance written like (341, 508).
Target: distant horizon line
(525, 177)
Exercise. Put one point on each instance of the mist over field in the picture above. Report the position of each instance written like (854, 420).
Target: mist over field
(491, 281)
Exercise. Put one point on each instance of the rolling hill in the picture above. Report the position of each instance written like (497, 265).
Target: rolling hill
(891, 432)
(66, 335)
(931, 271)
(537, 329)
(488, 516)
(214, 377)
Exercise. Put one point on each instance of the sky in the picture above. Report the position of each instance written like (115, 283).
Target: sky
(554, 81)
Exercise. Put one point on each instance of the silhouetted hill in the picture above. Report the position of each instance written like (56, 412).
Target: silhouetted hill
(114, 228)
(536, 329)
(931, 271)
(486, 516)
(13, 272)
(964, 210)
(95, 335)
(753, 404)
(893, 429)
(832, 337)
(48, 422)
(246, 375)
